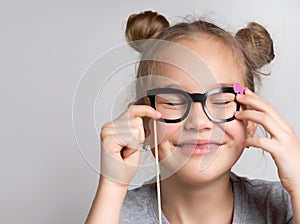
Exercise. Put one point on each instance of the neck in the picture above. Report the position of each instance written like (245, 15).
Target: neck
(210, 202)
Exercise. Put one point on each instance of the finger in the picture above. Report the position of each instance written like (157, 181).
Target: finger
(112, 145)
(131, 157)
(266, 144)
(126, 152)
(143, 111)
(130, 148)
(268, 122)
(136, 111)
(124, 135)
(129, 153)
(117, 168)
(136, 122)
(257, 103)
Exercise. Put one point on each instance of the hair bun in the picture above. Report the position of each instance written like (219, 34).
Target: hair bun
(143, 26)
(257, 45)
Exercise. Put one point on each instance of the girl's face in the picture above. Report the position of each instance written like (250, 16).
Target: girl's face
(216, 145)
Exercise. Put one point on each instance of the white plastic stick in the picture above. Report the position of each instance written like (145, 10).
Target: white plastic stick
(157, 173)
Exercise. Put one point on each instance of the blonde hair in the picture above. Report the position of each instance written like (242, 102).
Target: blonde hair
(252, 46)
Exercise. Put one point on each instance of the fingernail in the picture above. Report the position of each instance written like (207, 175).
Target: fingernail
(158, 114)
(248, 91)
(240, 96)
(237, 113)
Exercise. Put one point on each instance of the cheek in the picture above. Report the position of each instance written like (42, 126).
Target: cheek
(168, 132)
(167, 135)
(236, 131)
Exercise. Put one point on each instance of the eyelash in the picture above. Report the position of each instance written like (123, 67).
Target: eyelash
(223, 102)
(176, 104)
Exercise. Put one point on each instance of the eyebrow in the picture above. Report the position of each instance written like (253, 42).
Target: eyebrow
(172, 86)
(222, 84)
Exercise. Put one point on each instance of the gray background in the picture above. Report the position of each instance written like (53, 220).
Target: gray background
(45, 48)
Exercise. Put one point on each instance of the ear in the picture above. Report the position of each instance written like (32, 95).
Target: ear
(251, 128)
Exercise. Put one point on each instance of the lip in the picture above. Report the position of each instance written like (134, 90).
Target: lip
(198, 147)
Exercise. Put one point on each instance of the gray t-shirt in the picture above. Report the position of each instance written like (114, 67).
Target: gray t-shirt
(255, 201)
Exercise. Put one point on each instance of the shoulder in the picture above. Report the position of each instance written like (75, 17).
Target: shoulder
(261, 199)
(258, 186)
(138, 206)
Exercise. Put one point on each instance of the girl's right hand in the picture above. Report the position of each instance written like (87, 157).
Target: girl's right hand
(121, 140)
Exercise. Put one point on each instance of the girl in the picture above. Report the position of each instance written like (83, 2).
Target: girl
(208, 125)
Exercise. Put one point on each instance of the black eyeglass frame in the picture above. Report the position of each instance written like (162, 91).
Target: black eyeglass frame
(192, 97)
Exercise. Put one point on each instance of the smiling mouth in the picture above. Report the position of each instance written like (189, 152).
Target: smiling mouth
(194, 148)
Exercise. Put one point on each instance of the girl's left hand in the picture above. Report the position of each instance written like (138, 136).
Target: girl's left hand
(283, 144)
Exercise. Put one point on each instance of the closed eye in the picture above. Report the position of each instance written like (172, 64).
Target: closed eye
(175, 103)
(222, 102)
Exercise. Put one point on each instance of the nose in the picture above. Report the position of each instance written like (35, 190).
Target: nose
(197, 119)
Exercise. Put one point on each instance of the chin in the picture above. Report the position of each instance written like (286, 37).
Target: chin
(193, 175)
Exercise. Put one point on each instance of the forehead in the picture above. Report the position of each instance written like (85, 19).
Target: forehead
(199, 65)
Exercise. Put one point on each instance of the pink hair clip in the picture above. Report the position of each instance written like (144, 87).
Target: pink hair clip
(238, 89)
